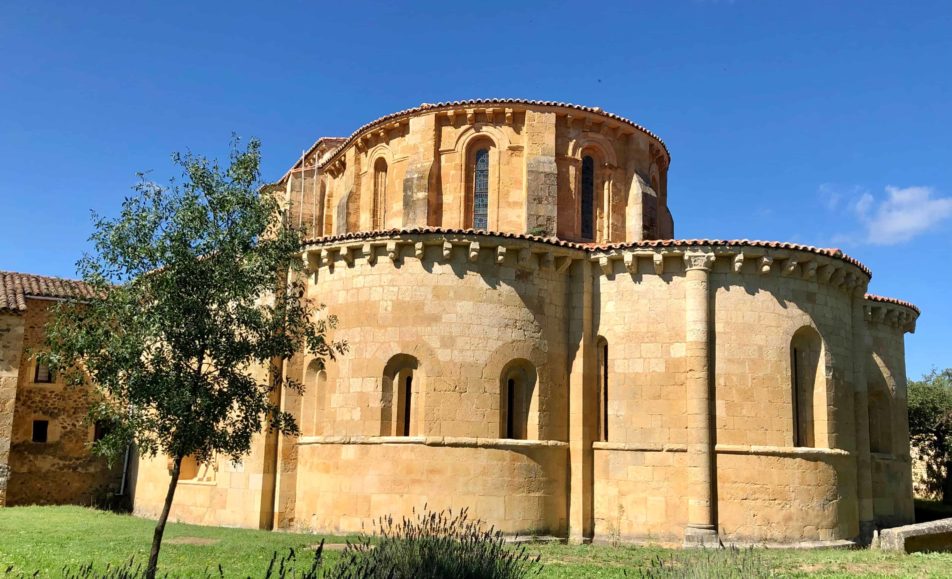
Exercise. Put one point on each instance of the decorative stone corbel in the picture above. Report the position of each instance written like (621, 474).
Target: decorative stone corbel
(658, 261)
(766, 262)
(838, 276)
(524, 260)
(447, 250)
(500, 254)
(348, 256)
(393, 251)
(789, 267)
(739, 262)
(418, 250)
(631, 262)
(370, 253)
(474, 251)
(825, 273)
(605, 264)
(809, 270)
(547, 261)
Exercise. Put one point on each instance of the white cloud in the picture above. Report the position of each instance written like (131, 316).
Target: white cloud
(903, 214)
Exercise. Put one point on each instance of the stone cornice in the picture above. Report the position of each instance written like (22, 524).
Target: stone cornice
(890, 312)
(532, 253)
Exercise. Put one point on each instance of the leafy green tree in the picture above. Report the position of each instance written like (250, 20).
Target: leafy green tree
(930, 428)
(200, 299)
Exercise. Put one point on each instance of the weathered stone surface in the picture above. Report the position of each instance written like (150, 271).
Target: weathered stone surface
(61, 470)
(931, 536)
(652, 383)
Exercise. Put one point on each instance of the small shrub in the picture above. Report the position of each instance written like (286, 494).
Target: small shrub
(434, 546)
(720, 563)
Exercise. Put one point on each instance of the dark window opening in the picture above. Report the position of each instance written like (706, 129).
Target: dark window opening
(510, 409)
(43, 374)
(41, 430)
(588, 198)
(101, 430)
(406, 405)
(797, 435)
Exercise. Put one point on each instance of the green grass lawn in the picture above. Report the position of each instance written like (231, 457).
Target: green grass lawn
(44, 539)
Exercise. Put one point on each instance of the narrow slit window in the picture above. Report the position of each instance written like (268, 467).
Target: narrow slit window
(481, 190)
(510, 409)
(43, 374)
(380, 194)
(41, 430)
(407, 405)
(588, 198)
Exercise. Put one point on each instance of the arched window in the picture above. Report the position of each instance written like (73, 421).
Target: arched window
(519, 404)
(380, 194)
(602, 356)
(808, 396)
(588, 198)
(401, 388)
(314, 400)
(481, 190)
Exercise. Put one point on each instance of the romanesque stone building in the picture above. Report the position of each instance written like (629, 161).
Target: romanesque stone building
(44, 433)
(527, 339)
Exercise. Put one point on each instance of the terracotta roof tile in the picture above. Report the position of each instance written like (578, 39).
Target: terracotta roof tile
(894, 301)
(15, 288)
(427, 107)
(829, 252)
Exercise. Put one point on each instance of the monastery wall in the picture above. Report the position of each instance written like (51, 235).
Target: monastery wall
(11, 350)
(61, 470)
(892, 490)
(461, 320)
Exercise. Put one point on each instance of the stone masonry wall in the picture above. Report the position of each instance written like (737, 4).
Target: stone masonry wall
(11, 350)
(62, 470)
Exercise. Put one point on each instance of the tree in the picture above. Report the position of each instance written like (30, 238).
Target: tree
(930, 428)
(199, 300)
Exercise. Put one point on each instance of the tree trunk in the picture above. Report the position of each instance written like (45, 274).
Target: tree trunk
(160, 525)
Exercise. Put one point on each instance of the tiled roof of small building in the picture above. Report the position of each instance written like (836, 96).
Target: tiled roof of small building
(894, 301)
(332, 142)
(427, 107)
(15, 288)
(829, 252)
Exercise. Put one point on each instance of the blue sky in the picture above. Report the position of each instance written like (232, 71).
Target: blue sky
(827, 123)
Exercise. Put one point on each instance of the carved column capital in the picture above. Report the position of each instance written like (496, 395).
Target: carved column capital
(698, 260)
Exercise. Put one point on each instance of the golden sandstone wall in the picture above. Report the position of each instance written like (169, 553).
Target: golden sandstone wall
(593, 382)
(62, 469)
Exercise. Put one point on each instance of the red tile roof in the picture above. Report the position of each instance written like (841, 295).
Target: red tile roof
(894, 301)
(15, 288)
(653, 243)
(429, 107)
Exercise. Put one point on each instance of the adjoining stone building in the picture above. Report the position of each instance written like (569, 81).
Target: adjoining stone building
(528, 340)
(44, 434)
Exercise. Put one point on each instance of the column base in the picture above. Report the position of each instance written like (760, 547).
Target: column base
(578, 540)
(701, 537)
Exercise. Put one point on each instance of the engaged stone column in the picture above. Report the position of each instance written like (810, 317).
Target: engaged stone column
(701, 529)
(864, 475)
(582, 418)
